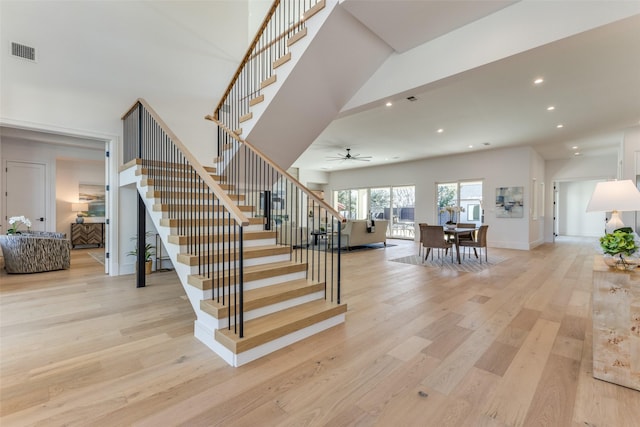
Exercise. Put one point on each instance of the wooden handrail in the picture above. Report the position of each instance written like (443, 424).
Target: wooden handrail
(247, 55)
(283, 172)
(222, 195)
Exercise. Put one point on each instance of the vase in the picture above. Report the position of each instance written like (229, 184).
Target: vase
(621, 261)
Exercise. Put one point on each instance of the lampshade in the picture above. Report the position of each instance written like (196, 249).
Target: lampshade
(79, 207)
(614, 197)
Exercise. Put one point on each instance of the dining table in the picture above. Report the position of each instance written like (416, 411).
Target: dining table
(456, 233)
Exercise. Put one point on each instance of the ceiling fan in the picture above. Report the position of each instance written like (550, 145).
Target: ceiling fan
(349, 156)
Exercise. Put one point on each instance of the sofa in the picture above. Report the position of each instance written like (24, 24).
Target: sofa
(357, 233)
(35, 252)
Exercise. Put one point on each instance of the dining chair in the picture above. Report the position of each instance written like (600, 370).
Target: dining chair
(421, 225)
(470, 236)
(479, 243)
(433, 238)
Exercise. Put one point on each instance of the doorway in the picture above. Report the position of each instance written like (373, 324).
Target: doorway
(570, 216)
(26, 192)
(41, 150)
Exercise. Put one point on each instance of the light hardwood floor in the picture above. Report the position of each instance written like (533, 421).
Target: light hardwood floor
(509, 346)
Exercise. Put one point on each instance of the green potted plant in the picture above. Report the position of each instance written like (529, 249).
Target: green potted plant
(148, 253)
(619, 248)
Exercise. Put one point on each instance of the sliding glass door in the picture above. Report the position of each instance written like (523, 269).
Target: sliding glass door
(394, 204)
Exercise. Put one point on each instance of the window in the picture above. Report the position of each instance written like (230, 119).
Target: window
(395, 204)
(464, 199)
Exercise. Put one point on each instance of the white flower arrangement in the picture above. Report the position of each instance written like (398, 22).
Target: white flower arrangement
(16, 221)
(453, 210)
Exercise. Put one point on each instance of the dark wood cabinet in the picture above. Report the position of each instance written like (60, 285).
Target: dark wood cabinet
(90, 233)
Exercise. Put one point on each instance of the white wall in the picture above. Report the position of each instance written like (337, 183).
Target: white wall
(95, 58)
(496, 168)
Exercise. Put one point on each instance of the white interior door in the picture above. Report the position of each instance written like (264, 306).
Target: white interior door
(26, 193)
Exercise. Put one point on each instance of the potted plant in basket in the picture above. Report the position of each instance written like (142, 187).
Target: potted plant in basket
(619, 248)
(148, 253)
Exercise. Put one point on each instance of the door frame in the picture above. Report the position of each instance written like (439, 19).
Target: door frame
(7, 191)
(112, 145)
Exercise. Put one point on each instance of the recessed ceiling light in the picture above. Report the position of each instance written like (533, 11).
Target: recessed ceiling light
(389, 104)
(560, 126)
(470, 146)
(440, 130)
(551, 108)
(538, 81)
(575, 147)
(576, 153)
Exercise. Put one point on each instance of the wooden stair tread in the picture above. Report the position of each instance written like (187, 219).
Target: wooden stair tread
(214, 222)
(179, 184)
(250, 252)
(268, 81)
(248, 235)
(157, 194)
(272, 326)
(166, 165)
(159, 207)
(251, 273)
(264, 296)
(296, 37)
(281, 61)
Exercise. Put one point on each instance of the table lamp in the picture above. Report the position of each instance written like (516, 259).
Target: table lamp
(614, 197)
(79, 208)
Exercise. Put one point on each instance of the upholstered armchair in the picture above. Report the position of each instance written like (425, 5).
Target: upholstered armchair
(35, 252)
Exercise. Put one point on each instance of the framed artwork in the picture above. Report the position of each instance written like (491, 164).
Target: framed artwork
(93, 194)
(509, 202)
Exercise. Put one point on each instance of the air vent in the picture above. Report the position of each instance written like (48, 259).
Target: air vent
(412, 98)
(23, 51)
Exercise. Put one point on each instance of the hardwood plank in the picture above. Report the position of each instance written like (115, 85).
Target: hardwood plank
(514, 394)
(497, 358)
(553, 401)
(81, 348)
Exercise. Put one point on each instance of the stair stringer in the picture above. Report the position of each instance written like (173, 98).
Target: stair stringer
(205, 324)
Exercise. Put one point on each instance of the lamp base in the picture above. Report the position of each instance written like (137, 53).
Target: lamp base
(614, 222)
(79, 220)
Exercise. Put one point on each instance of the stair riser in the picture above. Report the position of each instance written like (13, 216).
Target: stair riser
(221, 323)
(157, 195)
(211, 230)
(159, 186)
(166, 166)
(247, 263)
(234, 245)
(249, 237)
(215, 210)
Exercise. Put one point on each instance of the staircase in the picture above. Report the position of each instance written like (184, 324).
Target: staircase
(255, 281)
(238, 231)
